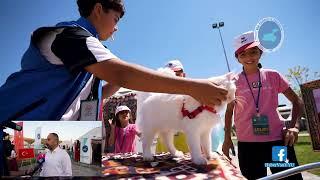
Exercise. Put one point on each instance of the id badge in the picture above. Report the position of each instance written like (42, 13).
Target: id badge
(88, 110)
(260, 125)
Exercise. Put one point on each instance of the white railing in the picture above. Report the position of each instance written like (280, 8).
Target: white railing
(292, 171)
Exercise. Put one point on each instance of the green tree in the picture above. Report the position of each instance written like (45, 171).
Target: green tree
(299, 75)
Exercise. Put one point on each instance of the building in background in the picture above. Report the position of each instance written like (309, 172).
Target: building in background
(90, 146)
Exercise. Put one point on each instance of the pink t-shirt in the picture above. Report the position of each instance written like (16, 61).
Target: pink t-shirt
(125, 139)
(272, 84)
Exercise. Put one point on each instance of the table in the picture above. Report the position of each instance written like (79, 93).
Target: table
(131, 165)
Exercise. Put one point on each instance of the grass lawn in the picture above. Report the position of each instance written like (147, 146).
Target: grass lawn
(305, 154)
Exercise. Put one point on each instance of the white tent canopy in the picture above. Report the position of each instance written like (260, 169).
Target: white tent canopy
(85, 144)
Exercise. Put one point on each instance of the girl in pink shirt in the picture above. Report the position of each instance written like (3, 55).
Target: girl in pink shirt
(257, 123)
(123, 133)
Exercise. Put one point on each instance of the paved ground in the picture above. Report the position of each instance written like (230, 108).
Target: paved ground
(80, 169)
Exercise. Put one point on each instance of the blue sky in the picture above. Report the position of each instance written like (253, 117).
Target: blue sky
(66, 130)
(153, 32)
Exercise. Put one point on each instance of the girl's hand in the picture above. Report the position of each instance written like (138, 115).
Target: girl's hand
(290, 136)
(138, 133)
(227, 145)
(111, 124)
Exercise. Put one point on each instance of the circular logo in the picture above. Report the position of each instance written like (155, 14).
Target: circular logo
(269, 33)
(38, 136)
(85, 148)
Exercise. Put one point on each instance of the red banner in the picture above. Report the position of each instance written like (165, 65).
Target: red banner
(18, 138)
(26, 153)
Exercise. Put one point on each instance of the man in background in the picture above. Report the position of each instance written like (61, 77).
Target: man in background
(180, 140)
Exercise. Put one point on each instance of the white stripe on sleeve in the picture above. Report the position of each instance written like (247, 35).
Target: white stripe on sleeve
(98, 50)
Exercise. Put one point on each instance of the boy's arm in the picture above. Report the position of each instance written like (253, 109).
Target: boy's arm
(108, 90)
(78, 50)
(123, 74)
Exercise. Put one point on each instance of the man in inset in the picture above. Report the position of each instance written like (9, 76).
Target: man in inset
(57, 161)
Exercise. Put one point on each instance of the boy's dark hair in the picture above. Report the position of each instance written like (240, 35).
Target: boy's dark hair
(85, 7)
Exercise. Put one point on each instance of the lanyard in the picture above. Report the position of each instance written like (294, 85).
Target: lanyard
(255, 101)
(94, 90)
(123, 138)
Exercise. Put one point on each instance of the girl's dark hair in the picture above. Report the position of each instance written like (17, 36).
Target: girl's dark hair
(259, 64)
(117, 120)
(261, 52)
(85, 7)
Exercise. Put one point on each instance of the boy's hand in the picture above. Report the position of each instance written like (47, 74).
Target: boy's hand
(209, 93)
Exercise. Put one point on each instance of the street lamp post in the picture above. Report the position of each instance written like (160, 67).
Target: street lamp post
(218, 26)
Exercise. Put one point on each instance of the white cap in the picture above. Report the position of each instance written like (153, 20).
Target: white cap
(122, 108)
(244, 42)
(174, 65)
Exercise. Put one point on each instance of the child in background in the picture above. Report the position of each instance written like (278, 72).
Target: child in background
(258, 126)
(123, 132)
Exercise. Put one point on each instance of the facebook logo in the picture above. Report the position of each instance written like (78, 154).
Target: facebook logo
(279, 153)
